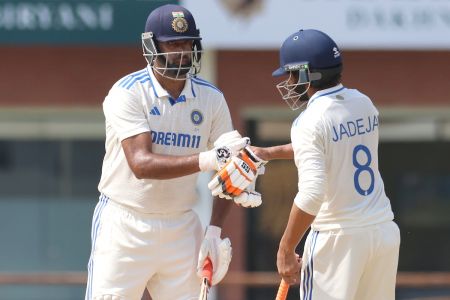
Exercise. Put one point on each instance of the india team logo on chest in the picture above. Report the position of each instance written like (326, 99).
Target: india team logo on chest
(196, 117)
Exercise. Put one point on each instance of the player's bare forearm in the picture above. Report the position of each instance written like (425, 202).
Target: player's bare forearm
(299, 222)
(155, 166)
(220, 210)
(288, 262)
(275, 152)
(148, 165)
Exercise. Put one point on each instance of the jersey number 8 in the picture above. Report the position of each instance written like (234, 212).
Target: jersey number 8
(361, 168)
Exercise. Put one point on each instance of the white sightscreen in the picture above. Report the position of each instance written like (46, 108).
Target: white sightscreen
(354, 24)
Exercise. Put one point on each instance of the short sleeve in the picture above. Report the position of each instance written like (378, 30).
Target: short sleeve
(125, 113)
(221, 121)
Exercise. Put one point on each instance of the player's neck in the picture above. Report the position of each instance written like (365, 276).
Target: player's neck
(172, 86)
(311, 91)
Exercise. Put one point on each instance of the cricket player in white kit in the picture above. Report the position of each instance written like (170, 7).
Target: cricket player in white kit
(160, 123)
(352, 249)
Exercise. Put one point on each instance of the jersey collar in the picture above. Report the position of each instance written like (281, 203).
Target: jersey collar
(326, 92)
(160, 92)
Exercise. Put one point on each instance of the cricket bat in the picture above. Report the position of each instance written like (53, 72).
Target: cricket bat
(283, 290)
(206, 279)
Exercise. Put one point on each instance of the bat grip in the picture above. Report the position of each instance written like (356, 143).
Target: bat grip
(283, 290)
(207, 270)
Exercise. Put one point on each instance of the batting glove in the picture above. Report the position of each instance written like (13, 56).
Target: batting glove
(249, 197)
(236, 175)
(227, 145)
(218, 250)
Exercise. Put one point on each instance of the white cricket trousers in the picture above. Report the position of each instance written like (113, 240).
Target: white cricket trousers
(351, 263)
(132, 251)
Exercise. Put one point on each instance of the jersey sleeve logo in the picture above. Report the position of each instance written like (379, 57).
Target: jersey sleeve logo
(196, 117)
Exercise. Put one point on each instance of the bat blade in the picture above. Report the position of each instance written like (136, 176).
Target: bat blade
(283, 290)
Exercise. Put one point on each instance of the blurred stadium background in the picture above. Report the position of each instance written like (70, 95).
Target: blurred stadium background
(60, 57)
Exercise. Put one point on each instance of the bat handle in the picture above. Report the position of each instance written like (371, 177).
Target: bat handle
(283, 290)
(207, 270)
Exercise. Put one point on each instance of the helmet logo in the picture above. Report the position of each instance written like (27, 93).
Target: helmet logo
(336, 52)
(179, 23)
(177, 14)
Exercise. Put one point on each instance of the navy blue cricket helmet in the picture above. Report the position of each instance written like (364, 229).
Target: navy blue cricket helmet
(167, 23)
(309, 57)
(172, 22)
(309, 46)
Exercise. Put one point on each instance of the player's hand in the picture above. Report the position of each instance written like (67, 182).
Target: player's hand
(289, 265)
(226, 146)
(218, 250)
(236, 175)
(260, 152)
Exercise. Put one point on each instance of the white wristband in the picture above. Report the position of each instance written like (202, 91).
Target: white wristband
(207, 161)
(213, 232)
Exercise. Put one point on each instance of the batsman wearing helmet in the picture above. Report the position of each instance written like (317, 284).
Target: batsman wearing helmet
(163, 125)
(352, 249)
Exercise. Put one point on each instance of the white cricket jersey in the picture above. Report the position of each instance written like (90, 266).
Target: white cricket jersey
(190, 124)
(335, 142)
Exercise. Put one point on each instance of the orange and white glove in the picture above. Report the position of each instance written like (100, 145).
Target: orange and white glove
(250, 197)
(236, 175)
(227, 145)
